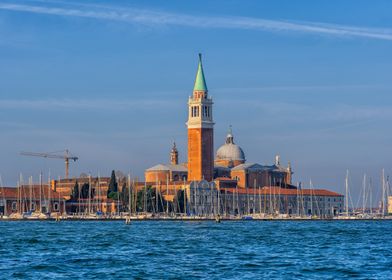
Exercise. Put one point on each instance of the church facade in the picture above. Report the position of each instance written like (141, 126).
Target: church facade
(228, 167)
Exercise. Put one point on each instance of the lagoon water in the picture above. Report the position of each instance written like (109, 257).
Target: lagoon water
(196, 250)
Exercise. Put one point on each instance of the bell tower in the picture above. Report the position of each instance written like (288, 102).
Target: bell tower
(174, 155)
(200, 131)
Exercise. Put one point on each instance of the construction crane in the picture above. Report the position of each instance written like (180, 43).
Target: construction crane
(66, 157)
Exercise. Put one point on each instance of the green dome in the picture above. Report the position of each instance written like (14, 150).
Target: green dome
(200, 82)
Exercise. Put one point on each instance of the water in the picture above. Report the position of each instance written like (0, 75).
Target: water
(196, 250)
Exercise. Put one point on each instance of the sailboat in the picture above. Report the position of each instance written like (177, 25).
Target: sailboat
(35, 212)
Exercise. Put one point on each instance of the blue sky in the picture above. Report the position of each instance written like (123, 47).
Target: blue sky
(309, 80)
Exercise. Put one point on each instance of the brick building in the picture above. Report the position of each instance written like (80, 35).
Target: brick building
(27, 200)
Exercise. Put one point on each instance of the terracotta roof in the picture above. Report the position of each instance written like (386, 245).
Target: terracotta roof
(8, 192)
(224, 179)
(258, 167)
(168, 167)
(82, 179)
(282, 191)
(12, 192)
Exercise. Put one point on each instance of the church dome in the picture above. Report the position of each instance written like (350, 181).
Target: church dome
(230, 151)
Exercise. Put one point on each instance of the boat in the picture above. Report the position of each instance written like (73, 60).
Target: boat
(247, 218)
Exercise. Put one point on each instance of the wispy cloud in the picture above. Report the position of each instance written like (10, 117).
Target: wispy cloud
(158, 18)
(314, 89)
(87, 104)
(287, 112)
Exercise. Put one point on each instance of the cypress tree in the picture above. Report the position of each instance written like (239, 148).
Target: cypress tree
(113, 186)
(124, 194)
(180, 200)
(75, 192)
(85, 190)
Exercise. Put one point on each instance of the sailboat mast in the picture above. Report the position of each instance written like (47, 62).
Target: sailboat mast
(387, 192)
(185, 194)
(383, 194)
(129, 194)
(346, 183)
(364, 193)
(31, 192)
(167, 195)
(40, 192)
(156, 189)
(145, 198)
(311, 197)
(371, 196)
(49, 198)
(89, 194)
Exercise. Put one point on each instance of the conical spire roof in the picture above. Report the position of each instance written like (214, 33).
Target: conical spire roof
(200, 82)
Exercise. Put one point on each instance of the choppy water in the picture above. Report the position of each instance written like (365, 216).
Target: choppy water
(186, 250)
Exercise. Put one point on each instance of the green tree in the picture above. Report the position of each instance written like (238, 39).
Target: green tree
(147, 199)
(75, 192)
(84, 190)
(179, 201)
(124, 194)
(113, 186)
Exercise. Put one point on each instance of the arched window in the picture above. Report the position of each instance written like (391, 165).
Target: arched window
(56, 206)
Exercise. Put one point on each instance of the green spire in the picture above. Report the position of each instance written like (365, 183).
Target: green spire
(200, 82)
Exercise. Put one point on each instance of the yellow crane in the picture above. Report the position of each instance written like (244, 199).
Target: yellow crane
(67, 156)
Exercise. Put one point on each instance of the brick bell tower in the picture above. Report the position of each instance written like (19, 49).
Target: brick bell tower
(200, 131)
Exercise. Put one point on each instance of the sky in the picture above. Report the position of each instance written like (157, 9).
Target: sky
(308, 80)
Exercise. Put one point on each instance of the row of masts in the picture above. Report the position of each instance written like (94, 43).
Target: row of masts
(27, 200)
(153, 197)
(366, 195)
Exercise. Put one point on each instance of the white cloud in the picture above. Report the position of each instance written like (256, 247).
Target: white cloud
(157, 18)
(314, 89)
(77, 104)
(283, 111)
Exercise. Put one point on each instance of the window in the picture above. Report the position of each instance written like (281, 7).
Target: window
(33, 206)
(14, 206)
(56, 206)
